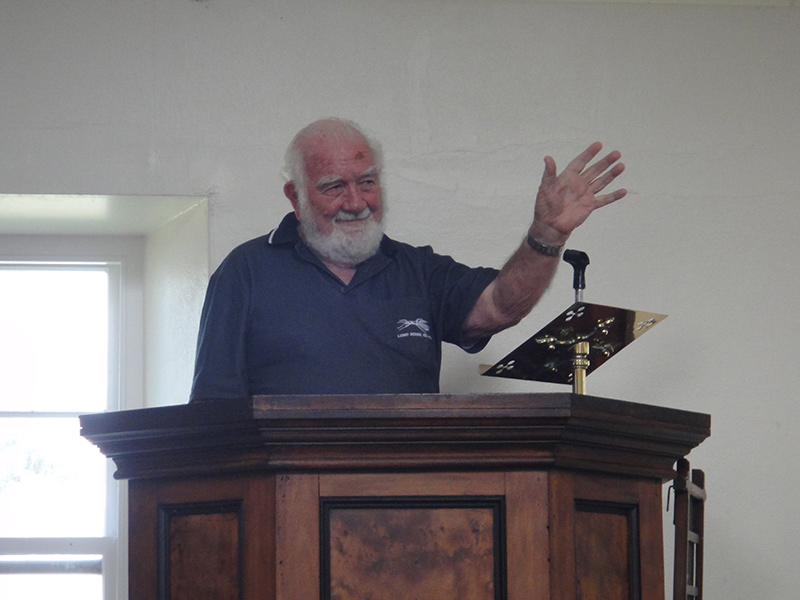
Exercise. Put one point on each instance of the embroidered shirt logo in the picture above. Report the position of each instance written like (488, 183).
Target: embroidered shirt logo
(415, 328)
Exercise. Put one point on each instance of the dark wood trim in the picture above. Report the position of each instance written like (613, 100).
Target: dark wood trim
(420, 432)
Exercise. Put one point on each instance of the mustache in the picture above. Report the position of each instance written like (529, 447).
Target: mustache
(348, 216)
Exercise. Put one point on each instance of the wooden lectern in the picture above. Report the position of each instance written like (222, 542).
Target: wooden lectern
(430, 497)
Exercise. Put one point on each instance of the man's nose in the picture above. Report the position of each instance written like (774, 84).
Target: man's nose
(353, 199)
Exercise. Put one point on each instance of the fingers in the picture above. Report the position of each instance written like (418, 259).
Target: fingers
(595, 177)
(606, 199)
(601, 167)
(601, 182)
(579, 163)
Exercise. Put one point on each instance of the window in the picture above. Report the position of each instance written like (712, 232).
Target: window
(59, 358)
(154, 253)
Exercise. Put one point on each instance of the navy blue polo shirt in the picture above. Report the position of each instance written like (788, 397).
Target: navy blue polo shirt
(277, 321)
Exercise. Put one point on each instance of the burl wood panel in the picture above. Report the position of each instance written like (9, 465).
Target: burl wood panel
(390, 553)
(606, 545)
(202, 558)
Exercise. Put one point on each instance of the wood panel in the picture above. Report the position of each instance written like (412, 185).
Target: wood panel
(597, 521)
(562, 536)
(297, 537)
(606, 551)
(413, 484)
(444, 528)
(142, 545)
(203, 538)
(201, 551)
(386, 548)
(458, 513)
(527, 535)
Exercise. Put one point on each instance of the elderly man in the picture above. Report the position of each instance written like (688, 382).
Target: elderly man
(326, 303)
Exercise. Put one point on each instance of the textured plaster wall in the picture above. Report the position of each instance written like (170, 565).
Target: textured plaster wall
(176, 275)
(200, 98)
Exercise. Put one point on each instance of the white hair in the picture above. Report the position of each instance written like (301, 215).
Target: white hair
(334, 129)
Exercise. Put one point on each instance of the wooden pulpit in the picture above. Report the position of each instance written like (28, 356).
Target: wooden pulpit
(446, 497)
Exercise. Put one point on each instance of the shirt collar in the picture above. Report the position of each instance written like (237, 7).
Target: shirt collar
(285, 233)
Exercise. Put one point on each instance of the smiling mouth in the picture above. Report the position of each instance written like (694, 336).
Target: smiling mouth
(345, 218)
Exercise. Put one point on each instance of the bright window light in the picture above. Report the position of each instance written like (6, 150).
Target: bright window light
(56, 361)
(44, 459)
(25, 586)
(53, 339)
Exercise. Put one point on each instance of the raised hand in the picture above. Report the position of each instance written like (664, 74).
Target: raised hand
(566, 200)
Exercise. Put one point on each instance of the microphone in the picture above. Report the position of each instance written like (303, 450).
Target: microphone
(579, 260)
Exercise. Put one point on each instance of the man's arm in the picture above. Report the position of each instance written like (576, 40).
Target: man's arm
(563, 202)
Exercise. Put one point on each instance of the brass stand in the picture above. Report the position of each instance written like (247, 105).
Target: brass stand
(576, 342)
(574, 345)
(580, 364)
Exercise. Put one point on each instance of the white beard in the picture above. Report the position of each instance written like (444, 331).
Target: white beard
(341, 248)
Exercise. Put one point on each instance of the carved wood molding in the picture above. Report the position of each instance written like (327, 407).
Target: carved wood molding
(391, 432)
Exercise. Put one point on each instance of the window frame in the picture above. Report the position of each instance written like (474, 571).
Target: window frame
(123, 258)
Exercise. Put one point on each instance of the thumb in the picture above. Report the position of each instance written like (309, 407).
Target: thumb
(549, 174)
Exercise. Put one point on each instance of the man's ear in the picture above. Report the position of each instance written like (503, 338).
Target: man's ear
(290, 191)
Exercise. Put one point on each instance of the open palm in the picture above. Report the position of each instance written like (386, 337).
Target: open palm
(566, 200)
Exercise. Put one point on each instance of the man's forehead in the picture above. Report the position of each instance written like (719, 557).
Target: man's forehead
(332, 157)
(324, 150)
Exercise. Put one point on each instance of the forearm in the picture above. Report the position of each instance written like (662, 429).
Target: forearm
(563, 202)
(511, 296)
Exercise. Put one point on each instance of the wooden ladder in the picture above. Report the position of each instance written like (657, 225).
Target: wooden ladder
(690, 497)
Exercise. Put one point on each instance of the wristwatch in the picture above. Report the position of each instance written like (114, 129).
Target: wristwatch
(545, 249)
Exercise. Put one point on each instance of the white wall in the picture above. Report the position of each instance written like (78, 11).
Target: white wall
(200, 98)
(176, 273)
